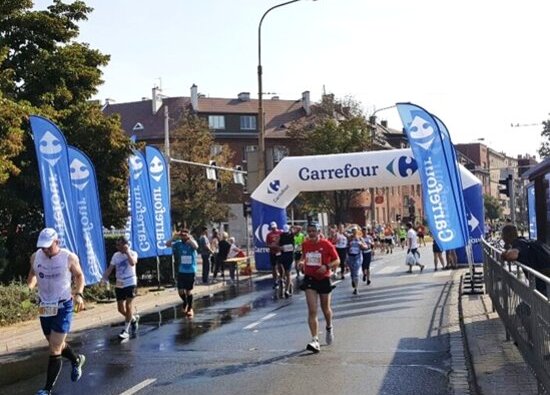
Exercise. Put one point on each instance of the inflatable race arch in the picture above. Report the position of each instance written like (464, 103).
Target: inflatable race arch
(359, 170)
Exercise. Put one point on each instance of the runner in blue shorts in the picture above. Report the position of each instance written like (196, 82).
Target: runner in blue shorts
(52, 270)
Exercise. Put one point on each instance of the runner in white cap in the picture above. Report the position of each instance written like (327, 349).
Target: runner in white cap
(52, 269)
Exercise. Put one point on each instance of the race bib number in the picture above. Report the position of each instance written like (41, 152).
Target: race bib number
(288, 248)
(313, 259)
(354, 250)
(47, 309)
(186, 259)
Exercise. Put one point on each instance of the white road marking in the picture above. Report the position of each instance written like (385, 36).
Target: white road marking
(138, 387)
(390, 269)
(443, 273)
(255, 324)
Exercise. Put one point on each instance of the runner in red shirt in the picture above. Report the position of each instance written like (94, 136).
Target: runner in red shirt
(272, 241)
(319, 258)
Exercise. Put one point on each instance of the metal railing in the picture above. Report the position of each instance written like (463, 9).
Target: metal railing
(520, 297)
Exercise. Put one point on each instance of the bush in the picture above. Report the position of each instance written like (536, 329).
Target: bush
(17, 303)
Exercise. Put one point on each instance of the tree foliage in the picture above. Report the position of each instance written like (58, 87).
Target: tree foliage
(196, 200)
(544, 150)
(45, 71)
(493, 209)
(336, 126)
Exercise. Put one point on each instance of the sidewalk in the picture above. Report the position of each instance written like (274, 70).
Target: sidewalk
(27, 335)
(497, 364)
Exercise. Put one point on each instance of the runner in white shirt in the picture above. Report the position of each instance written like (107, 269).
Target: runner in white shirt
(124, 262)
(412, 243)
(52, 269)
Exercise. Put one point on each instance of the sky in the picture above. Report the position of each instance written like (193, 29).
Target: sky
(480, 66)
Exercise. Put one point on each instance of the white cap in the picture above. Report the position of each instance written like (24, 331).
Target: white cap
(286, 228)
(273, 224)
(46, 238)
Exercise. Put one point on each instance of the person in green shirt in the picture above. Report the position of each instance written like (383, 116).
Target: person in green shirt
(402, 236)
(299, 238)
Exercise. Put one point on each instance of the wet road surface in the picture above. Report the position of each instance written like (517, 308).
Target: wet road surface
(245, 340)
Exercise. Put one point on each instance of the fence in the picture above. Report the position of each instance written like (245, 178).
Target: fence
(520, 297)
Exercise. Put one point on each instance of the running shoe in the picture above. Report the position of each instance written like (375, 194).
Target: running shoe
(355, 291)
(288, 294)
(275, 285)
(76, 372)
(123, 335)
(134, 325)
(43, 392)
(368, 282)
(421, 268)
(329, 337)
(364, 277)
(314, 346)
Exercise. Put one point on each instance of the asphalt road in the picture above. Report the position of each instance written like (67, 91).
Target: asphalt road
(388, 340)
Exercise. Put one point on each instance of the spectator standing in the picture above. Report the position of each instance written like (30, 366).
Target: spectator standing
(205, 251)
(438, 255)
(223, 252)
(124, 263)
(214, 242)
(52, 269)
(452, 259)
(234, 251)
(421, 232)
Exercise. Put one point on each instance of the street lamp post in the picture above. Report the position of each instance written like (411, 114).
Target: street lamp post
(261, 119)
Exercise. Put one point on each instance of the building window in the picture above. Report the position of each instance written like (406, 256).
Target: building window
(251, 148)
(216, 122)
(248, 122)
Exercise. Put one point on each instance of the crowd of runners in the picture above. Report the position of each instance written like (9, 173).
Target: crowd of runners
(318, 260)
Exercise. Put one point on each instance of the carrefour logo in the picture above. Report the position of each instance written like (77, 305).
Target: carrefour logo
(50, 148)
(156, 168)
(136, 164)
(261, 232)
(274, 186)
(80, 175)
(404, 166)
(422, 132)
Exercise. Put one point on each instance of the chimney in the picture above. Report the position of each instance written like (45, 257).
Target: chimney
(306, 104)
(384, 123)
(244, 96)
(194, 97)
(157, 99)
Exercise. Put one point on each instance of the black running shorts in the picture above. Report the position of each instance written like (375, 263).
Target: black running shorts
(186, 281)
(323, 286)
(125, 293)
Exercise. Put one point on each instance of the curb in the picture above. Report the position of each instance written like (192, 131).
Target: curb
(28, 335)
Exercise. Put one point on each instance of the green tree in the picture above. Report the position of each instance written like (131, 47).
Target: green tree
(45, 71)
(196, 200)
(544, 150)
(336, 126)
(493, 209)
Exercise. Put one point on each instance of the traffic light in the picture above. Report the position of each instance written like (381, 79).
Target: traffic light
(505, 186)
(238, 176)
(247, 209)
(211, 173)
